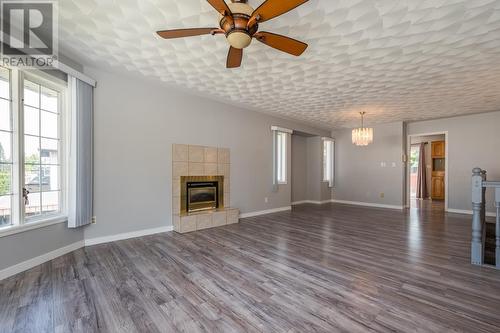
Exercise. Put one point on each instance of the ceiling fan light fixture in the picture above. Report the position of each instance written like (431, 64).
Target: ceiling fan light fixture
(239, 39)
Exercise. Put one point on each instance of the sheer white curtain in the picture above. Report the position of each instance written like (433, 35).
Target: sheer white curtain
(80, 198)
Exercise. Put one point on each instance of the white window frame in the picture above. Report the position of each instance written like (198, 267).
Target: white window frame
(19, 222)
(13, 135)
(329, 161)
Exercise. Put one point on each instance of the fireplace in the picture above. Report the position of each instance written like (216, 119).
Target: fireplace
(199, 193)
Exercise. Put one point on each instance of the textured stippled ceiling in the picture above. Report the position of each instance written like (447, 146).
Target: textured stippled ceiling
(395, 59)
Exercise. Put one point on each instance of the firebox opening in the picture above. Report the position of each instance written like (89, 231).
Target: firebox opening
(199, 193)
(202, 196)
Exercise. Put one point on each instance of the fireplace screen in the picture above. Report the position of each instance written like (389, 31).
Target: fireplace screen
(201, 196)
(200, 193)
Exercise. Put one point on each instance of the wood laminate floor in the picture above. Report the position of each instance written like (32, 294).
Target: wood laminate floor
(326, 268)
(427, 204)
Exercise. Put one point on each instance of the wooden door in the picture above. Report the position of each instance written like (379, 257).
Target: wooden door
(438, 149)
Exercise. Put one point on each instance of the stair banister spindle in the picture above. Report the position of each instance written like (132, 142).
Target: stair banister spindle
(483, 199)
(497, 228)
(477, 223)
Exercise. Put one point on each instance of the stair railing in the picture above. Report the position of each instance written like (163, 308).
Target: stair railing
(479, 186)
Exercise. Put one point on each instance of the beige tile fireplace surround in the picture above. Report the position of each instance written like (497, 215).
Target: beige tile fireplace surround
(188, 160)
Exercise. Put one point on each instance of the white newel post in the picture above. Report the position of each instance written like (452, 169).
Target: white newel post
(497, 229)
(477, 223)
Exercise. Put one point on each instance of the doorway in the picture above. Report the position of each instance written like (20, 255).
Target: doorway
(307, 179)
(427, 171)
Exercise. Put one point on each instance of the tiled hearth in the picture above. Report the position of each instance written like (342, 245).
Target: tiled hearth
(188, 160)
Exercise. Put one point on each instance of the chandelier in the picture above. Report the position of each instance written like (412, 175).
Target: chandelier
(362, 136)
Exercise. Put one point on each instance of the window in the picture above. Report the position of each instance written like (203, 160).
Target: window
(41, 150)
(414, 157)
(328, 161)
(31, 161)
(280, 154)
(6, 134)
(281, 157)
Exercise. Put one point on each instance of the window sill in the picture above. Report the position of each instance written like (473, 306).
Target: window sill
(11, 230)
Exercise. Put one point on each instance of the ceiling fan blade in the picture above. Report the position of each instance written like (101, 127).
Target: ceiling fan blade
(272, 8)
(220, 6)
(234, 57)
(178, 33)
(282, 43)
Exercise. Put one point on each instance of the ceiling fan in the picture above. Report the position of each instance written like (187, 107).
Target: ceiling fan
(240, 23)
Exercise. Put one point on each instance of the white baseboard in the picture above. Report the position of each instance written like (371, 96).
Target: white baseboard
(314, 202)
(367, 204)
(265, 212)
(301, 202)
(127, 235)
(30, 263)
(468, 212)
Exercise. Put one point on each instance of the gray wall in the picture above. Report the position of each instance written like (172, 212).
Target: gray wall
(137, 121)
(472, 141)
(314, 159)
(299, 168)
(23, 246)
(360, 175)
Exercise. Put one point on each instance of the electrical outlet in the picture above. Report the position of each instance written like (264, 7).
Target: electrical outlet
(266, 199)
(382, 194)
(93, 220)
